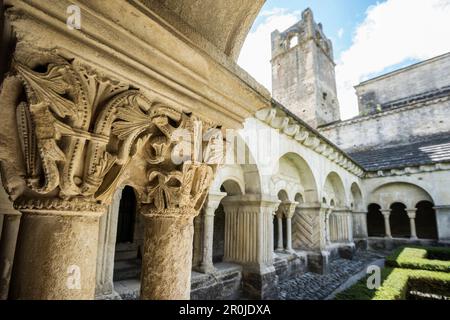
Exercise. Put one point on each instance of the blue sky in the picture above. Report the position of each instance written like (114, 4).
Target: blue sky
(370, 37)
(335, 15)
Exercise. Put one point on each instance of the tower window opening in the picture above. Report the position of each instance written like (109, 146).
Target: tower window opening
(293, 41)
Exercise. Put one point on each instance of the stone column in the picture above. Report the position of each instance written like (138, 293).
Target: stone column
(288, 211)
(211, 205)
(360, 224)
(8, 241)
(107, 248)
(56, 250)
(279, 216)
(387, 225)
(328, 214)
(412, 222)
(167, 258)
(350, 226)
(443, 222)
(197, 242)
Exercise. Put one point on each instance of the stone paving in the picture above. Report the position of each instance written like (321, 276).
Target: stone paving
(313, 286)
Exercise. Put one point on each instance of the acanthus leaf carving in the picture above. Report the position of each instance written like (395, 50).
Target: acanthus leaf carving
(79, 131)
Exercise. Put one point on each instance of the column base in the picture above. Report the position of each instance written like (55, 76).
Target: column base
(361, 244)
(319, 262)
(347, 251)
(111, 296)
(260, 285)
(206, 268)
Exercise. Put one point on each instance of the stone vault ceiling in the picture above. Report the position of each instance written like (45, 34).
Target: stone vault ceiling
(223, 23)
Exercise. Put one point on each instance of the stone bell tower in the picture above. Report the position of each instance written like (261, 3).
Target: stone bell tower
(303, 77)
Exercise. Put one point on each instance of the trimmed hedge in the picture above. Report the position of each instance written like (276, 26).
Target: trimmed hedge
(420, 258)
(396, 284)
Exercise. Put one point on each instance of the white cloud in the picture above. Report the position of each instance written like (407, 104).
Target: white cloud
(340, 33)
(392, 33)
(256, 52)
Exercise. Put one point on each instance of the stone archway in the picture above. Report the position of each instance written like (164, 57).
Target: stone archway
(127, 255)
(399, 221)
(426, 225)
(375, 221)
(279, 225)
(231, 188)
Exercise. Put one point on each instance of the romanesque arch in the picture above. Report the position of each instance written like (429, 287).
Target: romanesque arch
(279, 225)
(399, 221)
(375, 221)
(426, 224)
(334, 191)
(357, 198)
(295, 175)
(338, 221)
(399, 206)
(407, 193)
(221, 227)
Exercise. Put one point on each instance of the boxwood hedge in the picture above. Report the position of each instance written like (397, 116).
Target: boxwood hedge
(422, 269)
(420, 258)
(396, 284)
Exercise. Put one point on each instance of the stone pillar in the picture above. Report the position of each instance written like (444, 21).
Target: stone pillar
(328, 214)
(359, 224)
(412, 222)
(198, 242)
(167, 258)
(107, 248)
(56, 250)
(360, 234)
(349, 226)
(8, 241)
(387, 225)
(211, 205)
(288, 209)
(249, 241)
(443, 222)
(279, 216)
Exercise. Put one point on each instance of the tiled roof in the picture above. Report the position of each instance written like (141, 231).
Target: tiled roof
(417, 98)
(428, 150)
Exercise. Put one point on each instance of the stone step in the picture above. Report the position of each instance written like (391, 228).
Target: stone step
(126, 246)
(125, 255)
(127, 269)
(126, 251)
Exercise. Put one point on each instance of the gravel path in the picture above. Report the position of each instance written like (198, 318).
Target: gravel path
(313, 286)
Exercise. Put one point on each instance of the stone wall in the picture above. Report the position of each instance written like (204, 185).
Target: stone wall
(401, 125)
(419, 78)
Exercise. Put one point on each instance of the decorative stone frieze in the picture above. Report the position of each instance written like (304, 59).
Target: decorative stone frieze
(408, 170)
(308, 137)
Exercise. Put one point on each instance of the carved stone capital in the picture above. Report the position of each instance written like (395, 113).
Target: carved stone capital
(288, 209)
(386, 213)
(78, 132)
(182, 155)
(411, 213)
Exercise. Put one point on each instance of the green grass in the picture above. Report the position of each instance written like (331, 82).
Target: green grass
(420, 258)
(396, 283)
(407, 269)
